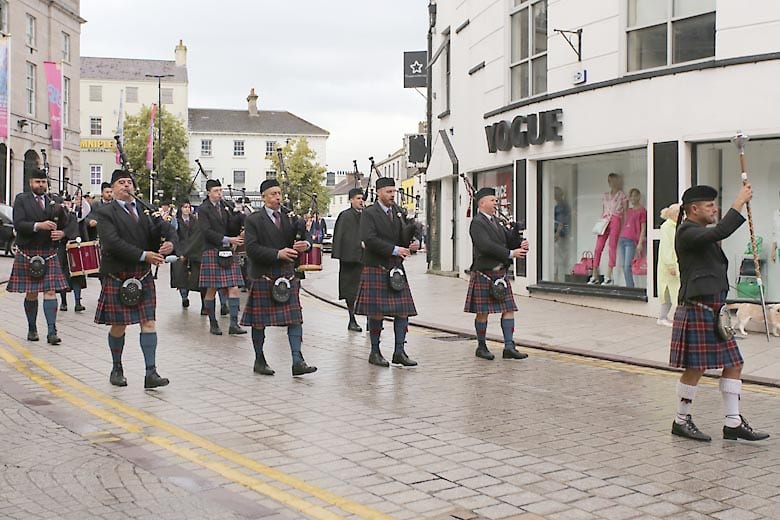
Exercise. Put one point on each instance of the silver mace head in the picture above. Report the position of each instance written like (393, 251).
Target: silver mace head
(740, 140)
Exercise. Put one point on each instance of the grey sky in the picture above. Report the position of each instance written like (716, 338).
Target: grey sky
(335, 63)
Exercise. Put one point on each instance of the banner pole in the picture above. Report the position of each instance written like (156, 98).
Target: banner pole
(8, 126)
(62, 127)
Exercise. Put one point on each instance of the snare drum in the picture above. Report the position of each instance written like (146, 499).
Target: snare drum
(311, 260)
(83, 258)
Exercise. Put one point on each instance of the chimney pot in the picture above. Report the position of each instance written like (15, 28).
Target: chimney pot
(252, 102)
(181, 54)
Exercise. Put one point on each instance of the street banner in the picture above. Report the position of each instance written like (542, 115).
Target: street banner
(120, 123)
(150, 138)
(415, 69)
(54, 90)
(5, 80)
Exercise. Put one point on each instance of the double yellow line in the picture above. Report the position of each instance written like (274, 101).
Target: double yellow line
(232, 466)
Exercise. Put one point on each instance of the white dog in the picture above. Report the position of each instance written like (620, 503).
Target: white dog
(749, 311)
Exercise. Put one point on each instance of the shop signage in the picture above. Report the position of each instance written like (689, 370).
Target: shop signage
(97, 145)
(525, 130)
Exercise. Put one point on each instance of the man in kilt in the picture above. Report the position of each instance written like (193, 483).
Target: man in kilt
(695, 345)
(349, 252)
(39, 228)
(381, 229)
(491, 259)
(272, 248)
(130, 243)
(219, 266)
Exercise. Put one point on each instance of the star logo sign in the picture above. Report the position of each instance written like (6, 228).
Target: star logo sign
(416, 67)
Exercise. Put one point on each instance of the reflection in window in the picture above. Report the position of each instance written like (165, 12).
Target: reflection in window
(528, 49)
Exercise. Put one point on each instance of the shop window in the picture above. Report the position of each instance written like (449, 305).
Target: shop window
(576, 193)
(528, 53)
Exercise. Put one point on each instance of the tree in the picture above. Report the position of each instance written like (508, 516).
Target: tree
(302, 171)
(174, 176)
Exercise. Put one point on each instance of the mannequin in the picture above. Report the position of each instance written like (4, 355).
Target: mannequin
(613, 206)
(632, 236)
(668, 274)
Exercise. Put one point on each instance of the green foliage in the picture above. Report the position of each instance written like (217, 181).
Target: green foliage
(302, 170)
(175, 176)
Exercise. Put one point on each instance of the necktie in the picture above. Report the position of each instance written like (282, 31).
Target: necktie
(390, 214)
(132, 211)
(40, 202)
(277, 220)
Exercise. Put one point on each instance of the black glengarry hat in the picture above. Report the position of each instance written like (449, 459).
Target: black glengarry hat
(384, 182)
(699, 193)
(484, 192)
(268, 184)
(212, 183)
(120, 174)
(38, 173)
(104, 186)
(354, 192)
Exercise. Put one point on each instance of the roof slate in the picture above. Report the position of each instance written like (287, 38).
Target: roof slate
(129, 69)
(240, 122)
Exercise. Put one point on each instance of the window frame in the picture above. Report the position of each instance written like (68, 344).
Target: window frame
(30, 83)
(65, 101)
(4, 8)
(166, 95)
(236, 183)
(95, 169)
(239, 149)
(532, 56)
(127, 94)
(271, 174)
(92, 126)
(65, 47)
(203, 151)
(270, 153)
(31, 31)
(97, 90)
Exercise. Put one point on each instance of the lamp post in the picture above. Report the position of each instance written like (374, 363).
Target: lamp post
(159, 126)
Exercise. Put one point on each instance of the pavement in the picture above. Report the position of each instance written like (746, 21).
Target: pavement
(554, 326)
(552, 437)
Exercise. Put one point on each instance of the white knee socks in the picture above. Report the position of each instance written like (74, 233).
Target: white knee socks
(685, 395)
(730, 390)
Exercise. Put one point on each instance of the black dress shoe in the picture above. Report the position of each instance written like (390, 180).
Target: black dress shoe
(299, 369)
(353, 326)
(117, 377)
(214, 329)
(376, 358)
(154, 380)
(79, 308)
(512, 353)
(261, 367)
(403, 360)
(743, 431)
(689, 430)
(53, 339)
(484, 353)
(32, 335)
(235, 329)
(185, 302)
(63, 306)
(223, 310)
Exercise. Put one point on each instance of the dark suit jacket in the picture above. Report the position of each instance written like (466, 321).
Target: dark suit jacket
(263, 242)
(489, 244)
(703, 266)
(379, 234)
(27, 212)
(213, 221)
(346, 237)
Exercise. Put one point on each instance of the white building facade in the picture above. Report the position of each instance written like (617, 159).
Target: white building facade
(652, 90)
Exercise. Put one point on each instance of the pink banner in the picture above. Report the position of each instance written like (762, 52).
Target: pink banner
(150, 138)
(5, 43)
(54, 89)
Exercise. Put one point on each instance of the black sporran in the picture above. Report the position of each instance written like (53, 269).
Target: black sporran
(38, 267)
(499, 289)
(397, 279)
(225, 258)
(280, 290)
(132, 292)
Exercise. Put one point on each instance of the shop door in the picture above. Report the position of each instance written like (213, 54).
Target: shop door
(433, 233)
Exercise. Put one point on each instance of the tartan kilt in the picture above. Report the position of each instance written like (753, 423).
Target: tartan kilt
(111, 311)
(478, 299)
(376, 298)
(695, 343)
(22, 282)
(212, 275)
(261, 310)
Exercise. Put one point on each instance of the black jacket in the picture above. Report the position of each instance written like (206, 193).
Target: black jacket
(346, 236)
(703, 266)
(215, 223)
(27, 212)
(263, 242)
(489, 243)
(381, 235)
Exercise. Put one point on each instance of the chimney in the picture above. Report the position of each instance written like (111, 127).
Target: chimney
(252, 101)
(181, 55)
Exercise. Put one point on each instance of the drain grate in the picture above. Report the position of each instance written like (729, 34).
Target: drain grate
(450, 337)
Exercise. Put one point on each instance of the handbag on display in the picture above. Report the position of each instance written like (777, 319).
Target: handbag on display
(600, 226)
(585, 265)
(639, 266)
(748, 288)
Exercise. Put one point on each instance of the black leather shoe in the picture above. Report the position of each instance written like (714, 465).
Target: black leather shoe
(353, 326)
(79, 308)
(63, 306)
(32, 335)
(299, 369)
(511, 353)
(154, 380)
(484, 353)
(53, 339)
(117, 377)
(185, 302)
(223, 310)
(235, 329)
(689, 430)
(376, 358)
(403, 360)
(743, 431)
(214, 329)
(261, 367)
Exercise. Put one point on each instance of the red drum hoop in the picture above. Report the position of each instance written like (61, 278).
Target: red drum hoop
(83, 258)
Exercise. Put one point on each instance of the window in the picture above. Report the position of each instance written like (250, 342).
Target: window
(166, 96)
(446, 76)
(95, 174)
(238, 148)
(95, 126)
(95, 93)
(239, 178)
(205, 147)
(30, 87)
(528, 53)
(30, 34)
(65, 47)
(270, 148)
(270, 174)
(4, 16)
(131, 94)
(665, 32)
(65, 101)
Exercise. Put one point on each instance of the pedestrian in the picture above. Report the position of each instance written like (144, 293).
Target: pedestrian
(695, 345)
(490, 291)
(384, 288)
(274, 297)
(131, 243)
(219, 266)
(348, 250)
(39, 227)
(668, 274)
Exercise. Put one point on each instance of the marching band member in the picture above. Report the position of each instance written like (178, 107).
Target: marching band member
(490, 292)
(186, 223)
(130, 242)
(274, 299)
(77, 211)
(36, 267)
(349, 252)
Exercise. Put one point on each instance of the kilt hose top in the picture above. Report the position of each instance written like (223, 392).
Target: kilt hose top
(489, 251)
(348, 250)
(216, 222)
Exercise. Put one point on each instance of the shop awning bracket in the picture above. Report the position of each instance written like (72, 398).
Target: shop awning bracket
(566, 36)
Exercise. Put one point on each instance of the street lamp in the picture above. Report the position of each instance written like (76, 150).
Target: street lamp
(159, 127)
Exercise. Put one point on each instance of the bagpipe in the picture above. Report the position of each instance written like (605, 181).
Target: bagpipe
(513, 230)
(235, 220)
(411, 230)
(59, 213)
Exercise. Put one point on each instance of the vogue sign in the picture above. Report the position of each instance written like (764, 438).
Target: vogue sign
(525, 130)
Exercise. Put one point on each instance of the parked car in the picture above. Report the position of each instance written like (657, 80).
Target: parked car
(327, 239)
(7, 234)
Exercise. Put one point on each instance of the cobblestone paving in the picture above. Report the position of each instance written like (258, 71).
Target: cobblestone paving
(553, 436)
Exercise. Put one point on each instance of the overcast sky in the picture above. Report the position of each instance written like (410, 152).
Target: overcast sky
(336, 63)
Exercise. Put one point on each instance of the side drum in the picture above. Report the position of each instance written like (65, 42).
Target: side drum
(83, 257)
(311, 260)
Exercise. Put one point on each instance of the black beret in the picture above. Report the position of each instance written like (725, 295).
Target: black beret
(104, 186)
(484, 192)
(699, 194)
(384, 182)
(38, 173)
(354, 192)
(120, 174)
(267, 184)
(212, 183)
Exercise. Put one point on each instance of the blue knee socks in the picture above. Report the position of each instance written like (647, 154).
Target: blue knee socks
(209, 306)
(258, 340)
(149, 348)
(400, 326)
(77, 294)
(50, 311)
(184, 293)
(508, 328)
(116, 345)
(374, 332)
(31, 311)
(481, 328)
(295, 337)
(233, 306)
